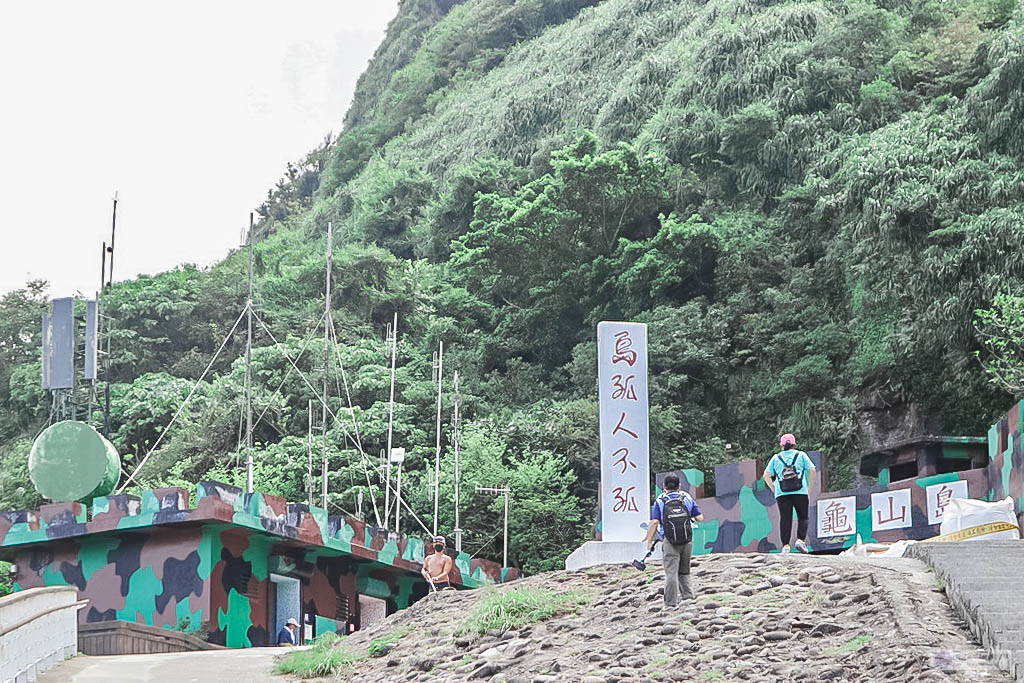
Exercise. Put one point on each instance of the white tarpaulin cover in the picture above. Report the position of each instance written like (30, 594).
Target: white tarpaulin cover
(964, 513)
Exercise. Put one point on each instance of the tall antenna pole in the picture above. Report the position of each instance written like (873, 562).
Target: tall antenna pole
(391, 416)
(106, 366)
(110, 249)
(398, 494)
(437, 445)
(309, 454)
(457, 399)
(248, 373)
(503, 490)
(328, 324)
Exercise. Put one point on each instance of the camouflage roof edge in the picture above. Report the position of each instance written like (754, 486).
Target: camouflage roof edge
(215, 502)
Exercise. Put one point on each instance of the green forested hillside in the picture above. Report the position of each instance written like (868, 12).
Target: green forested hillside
(806, 201)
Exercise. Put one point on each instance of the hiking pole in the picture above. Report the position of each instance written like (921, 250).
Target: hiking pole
(642, 564)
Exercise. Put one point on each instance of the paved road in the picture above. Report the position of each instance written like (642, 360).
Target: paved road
(238, 666)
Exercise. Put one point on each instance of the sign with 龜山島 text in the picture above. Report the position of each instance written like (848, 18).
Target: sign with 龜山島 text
(625, 467)
(891, 510)
(939, 496)
(837, 516)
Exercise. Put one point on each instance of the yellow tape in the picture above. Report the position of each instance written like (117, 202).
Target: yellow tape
(974, 532)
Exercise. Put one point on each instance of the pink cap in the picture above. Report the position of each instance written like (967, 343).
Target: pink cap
(787, 440)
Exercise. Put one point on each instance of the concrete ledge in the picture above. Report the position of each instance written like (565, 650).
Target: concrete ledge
(129, 638)
(593, 553)
(980, 579)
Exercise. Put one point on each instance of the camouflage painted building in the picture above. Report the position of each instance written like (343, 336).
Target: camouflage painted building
(236, 565)
(743, 517)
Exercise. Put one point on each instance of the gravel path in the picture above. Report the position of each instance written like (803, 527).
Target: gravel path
(756, 618)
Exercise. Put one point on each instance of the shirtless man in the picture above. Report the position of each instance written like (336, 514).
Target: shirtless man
(438, 566)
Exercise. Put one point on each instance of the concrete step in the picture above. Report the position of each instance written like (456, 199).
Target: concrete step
(983, 580)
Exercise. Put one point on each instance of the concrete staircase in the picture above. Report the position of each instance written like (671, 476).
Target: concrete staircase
(983, 583)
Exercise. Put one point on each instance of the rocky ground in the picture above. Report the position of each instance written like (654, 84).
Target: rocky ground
(756, 618)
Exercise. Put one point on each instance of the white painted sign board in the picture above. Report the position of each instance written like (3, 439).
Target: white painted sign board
(891, 510)
(837, 516)
(939, 496)
(625, 462)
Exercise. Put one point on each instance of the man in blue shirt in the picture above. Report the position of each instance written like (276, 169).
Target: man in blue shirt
(795, 466)
(288, 635)
(677, 556)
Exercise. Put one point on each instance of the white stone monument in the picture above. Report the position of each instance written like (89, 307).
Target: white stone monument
(625, 461)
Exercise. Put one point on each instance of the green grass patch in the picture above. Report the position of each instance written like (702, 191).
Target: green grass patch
(378, 647)
(660, 661)
(815, 598)
(711, 676)
(508, 610)
(855, 644)
(326, 657)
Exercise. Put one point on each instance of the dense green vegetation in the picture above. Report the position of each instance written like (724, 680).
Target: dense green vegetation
(806, 201)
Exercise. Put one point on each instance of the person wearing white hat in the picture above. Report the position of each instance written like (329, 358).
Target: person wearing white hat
(437, 567)
(288, 634)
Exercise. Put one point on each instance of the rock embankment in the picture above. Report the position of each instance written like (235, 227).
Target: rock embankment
(756, 618)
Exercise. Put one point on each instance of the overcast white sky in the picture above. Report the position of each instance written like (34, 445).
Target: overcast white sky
(190, 110)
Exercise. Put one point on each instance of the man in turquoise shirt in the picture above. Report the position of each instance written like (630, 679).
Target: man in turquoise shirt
(790, 475)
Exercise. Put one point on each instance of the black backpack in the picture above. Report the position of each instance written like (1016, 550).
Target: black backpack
(675, 520)
(790, 480)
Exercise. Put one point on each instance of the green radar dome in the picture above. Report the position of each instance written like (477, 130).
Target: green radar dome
(72, 461)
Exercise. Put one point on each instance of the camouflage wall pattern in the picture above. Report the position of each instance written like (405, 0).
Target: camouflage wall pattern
(158, 561)
(743, 517)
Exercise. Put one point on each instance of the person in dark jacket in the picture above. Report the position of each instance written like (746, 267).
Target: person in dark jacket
(677, 557)
(289, 634)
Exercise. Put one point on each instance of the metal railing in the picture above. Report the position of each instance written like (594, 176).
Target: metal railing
(38, 629)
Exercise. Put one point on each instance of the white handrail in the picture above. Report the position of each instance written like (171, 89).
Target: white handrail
(38, 629)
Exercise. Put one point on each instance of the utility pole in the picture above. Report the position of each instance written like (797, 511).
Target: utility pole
(393, 337)
(439, 366)
(504, 490)
(457, 400)
(328, 324)
(248, 372)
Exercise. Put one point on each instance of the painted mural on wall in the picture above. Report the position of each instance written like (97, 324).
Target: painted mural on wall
(157, 561)
(743, 517)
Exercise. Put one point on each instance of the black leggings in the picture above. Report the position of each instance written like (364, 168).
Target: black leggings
(787, 503)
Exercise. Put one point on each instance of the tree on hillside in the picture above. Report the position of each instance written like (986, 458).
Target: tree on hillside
(1001, 329)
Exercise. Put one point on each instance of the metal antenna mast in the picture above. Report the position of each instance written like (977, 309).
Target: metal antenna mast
(110, 281)
(391, 416)
(309, 454)
(457, 400)
(505, 490)
(248, 373)
(439, 366)
(328, 324)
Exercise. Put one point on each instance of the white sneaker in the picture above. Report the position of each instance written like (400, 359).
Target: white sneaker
(801, 546)
(785, 549)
